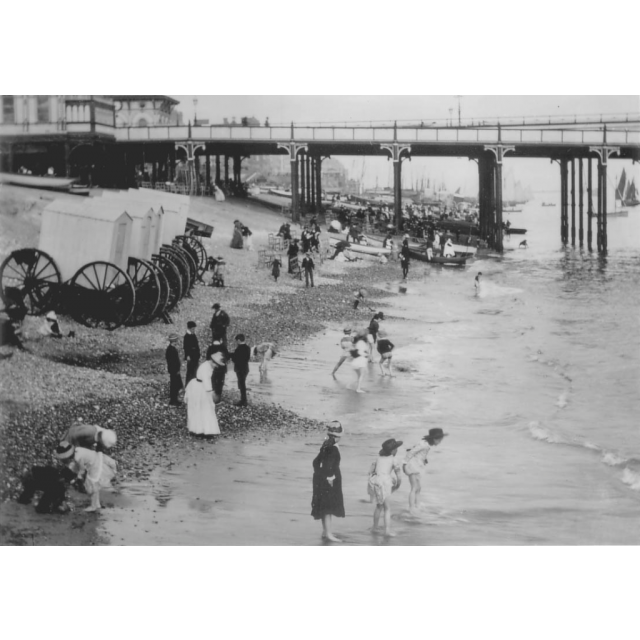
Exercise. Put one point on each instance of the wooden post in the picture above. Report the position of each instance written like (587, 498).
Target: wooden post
(589, 206)
(573, 202)
(581, 204)
(303, 163)
(498, 225)
(295, 214)
(604, 206)
(397, 193)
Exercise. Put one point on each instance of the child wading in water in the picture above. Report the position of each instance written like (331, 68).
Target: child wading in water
(384, 479)
(385, 349)
(96, 469)
(415, 462)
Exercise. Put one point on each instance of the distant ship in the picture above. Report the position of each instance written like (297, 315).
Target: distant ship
(630, 198)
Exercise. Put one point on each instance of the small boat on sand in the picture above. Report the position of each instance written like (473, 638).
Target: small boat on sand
(38, 182)
(358, 248)
(458, 261)
(515, 231)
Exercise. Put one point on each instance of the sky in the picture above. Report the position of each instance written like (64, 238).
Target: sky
(456, 173)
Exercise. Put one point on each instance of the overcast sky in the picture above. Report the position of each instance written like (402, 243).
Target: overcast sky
(455, 172)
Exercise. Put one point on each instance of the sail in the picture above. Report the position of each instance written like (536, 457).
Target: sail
(631, 191)
(620, 189)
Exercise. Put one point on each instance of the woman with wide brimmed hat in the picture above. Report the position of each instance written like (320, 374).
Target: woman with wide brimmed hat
(91, 436)
(384, 479)
(415, 463)
(327, 500)
(201, 408)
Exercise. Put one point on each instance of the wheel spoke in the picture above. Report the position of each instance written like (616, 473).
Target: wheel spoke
(46, 264)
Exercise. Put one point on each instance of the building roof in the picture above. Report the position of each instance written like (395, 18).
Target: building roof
(129, 97)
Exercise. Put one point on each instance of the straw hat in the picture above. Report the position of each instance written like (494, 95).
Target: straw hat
(65, 450)
(174, 337)
(389, 445)
(334, 428)
(51, 315)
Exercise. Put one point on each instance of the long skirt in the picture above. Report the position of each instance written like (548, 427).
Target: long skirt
(201, 410)
(236, 242)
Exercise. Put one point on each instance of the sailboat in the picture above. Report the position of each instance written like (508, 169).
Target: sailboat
(630, 198)
(621, 213)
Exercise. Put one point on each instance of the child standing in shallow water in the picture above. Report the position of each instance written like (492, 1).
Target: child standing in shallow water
(384, 479)
(415, 462)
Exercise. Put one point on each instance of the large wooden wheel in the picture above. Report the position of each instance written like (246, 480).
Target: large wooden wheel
(197, 251)
(164, 290)
(181, 265)
(101, 296)
(147, 286)
(191, 263)
(173, 277)
(30, 277)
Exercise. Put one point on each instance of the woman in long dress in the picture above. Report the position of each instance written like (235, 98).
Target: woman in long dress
(327, 498)
(201, 409)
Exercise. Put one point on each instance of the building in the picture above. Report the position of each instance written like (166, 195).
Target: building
(145, 111)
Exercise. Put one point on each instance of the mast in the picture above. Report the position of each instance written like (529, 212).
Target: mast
(620, 190)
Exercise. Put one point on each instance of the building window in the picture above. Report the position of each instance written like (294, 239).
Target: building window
(43, 108)
(8, 110)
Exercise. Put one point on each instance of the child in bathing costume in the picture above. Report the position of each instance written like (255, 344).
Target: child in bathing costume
(415, 462)
(384, 479)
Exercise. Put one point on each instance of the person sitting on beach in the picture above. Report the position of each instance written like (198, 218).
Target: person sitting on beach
(346, 344)
(385, 348)
(415, 463)
(95, 468)
(91, 436)
(50, 327)
(341, 245)
(285, 231)
(384, 479)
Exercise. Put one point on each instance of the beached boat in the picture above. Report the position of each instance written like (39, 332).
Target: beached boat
(548, 204)
(418, 244)
(458, 261)
(358, 248)
(38, 182)
(280, 192)
(515, 231)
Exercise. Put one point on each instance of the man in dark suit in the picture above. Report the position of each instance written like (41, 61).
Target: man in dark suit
(173, 367)
(219, 323)
(191, 350)
(241, 357)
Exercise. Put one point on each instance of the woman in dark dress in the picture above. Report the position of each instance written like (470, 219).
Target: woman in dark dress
(327, 498)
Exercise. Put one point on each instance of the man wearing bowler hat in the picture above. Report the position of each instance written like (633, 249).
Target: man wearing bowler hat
(191, 350)
(219, 323)
(173, 367)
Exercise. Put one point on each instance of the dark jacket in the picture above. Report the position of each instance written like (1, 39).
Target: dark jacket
(191, 346)
(220, 321)
(241, 357)
(385, 346)
(173, 359)
(307, 264)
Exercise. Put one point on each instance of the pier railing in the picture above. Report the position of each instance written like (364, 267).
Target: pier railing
(364, 135)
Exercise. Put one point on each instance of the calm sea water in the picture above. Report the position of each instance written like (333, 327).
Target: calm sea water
(537, 381)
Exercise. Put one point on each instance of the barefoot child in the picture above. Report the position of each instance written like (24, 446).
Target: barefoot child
(384, 479)
(415, 462)
(97, 469)
(359, 353)
(346, 344)
(268, 351)
(385, 349)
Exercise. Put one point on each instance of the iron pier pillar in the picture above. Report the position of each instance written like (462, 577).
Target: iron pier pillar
(603, 157)
(498, 150)
(226, 169)
(303, 182)
(581, 204)
(589, 206)
(396, 150)
(208, 170)
(313, 175)
(308, 196)
(319, 184)
(573, 202)
(293, 148)
(217, 168)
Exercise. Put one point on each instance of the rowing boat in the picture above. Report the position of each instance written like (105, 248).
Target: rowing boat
(458, 261)
(39, 182)
(420, 245)
(360, 248)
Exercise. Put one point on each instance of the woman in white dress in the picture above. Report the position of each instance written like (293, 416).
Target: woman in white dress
(360, 355)
(201, 409)
(384, 479)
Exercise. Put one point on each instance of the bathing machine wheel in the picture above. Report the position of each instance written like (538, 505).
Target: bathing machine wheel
(148, 291)
(197, 250)
(30, 276)
(101, 296)
(173, 278)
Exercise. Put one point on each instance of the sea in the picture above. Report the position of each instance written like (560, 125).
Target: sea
(536, 381)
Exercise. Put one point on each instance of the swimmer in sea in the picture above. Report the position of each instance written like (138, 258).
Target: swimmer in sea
(476, 283)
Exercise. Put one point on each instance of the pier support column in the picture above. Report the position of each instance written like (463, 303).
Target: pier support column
(226, 169)
(293, 148)
(589, 206)
(564, 206)
(217, 168)
(396, 150)
(485, 203)
(573, 202)
(191, 148)
(308, 197)
(319, 160)
(499, 150)
(604, 153)
(208, 170)
(172, 164)
(303, 182)
(580, 204)
(312, 174)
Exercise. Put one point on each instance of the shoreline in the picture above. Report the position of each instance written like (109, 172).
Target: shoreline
(118, 379)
